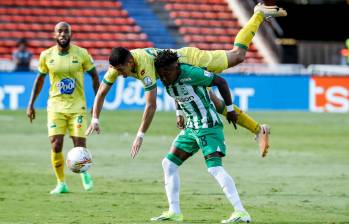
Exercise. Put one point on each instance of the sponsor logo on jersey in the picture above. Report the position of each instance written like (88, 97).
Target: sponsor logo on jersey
(147, 81)
(66, 86)
(75, 60)
(184, 99)
(185, 79)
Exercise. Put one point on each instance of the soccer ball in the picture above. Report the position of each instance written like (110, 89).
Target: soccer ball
(79, 159)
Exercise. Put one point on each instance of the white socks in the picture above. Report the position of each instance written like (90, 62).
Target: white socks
(172, 183)
(228, 186)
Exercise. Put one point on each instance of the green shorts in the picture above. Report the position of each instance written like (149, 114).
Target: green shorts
(209, 140)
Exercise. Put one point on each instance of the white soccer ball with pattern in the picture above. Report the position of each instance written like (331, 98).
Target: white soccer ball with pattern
(79, 159)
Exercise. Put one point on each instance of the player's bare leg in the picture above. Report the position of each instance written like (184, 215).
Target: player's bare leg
(237, 55)
(244, 120)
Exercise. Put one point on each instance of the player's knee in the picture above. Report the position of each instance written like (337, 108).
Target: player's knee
(79, 142)
(57, 145)
(213, 162)
(171, 162)
(164, 163)
(240, 57)
(168, 166)
(215, 170)
(236, 56)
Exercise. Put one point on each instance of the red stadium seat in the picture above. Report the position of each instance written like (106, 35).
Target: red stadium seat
(97, 25)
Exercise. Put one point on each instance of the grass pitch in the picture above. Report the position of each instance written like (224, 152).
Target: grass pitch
(304, 179)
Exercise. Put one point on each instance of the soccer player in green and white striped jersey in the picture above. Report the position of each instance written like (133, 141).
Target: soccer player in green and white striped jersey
(203, 130)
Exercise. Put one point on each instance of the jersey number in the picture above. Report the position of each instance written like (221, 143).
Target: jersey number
(203, 140)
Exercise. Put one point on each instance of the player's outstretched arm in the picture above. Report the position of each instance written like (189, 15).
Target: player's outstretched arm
(148, 114)
(225, 93)
(38, 83)
(97, 107)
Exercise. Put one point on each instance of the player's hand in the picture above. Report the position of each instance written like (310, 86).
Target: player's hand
(180, 122)
(94, 127)
(137, 143)
(31, 113)
(232, 117)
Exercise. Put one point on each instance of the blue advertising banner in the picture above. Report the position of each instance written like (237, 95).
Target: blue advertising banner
(249, 92)
(270, 92)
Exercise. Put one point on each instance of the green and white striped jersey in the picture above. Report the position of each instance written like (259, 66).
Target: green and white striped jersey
(190, 91)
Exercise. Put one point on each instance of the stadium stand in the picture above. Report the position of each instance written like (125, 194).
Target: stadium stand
(206, 24)
(97, 25)
(151, 24)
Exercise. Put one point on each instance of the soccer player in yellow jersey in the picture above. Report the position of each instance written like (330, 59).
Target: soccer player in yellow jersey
(139, 63)
(66, 107)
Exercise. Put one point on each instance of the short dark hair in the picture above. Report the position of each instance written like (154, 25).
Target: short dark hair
(165, 58)
(22, 41)
(118, 56)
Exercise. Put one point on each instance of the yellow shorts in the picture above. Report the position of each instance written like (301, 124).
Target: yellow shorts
(59, 123)
(214, 61)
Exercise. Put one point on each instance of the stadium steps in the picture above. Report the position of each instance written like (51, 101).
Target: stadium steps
(97, 25)
(150, 23)
(206, 24)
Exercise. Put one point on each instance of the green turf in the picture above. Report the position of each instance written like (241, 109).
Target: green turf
(304, 179)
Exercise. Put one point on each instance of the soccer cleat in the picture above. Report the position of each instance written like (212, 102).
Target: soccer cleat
(60, 188)
(263, 139)
(270, 11)
(86, 181)
(168, 216)
(238, 216)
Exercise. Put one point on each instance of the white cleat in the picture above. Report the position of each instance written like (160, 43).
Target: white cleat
(270, 11)
(238, 217)
(263, 139)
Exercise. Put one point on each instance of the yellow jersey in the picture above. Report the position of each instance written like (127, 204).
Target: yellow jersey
(144, 69)
(214, 61)
(66, 72)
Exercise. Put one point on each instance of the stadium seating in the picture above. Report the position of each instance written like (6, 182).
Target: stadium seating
(98, 25)
(207, 24)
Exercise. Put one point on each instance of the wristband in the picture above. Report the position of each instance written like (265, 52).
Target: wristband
(230, 108)
(179, 113)
(95, 120)
(140, 134)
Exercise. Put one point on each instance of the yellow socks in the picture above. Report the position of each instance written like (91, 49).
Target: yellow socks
(244, 120)
(246, 34)
(57, 160)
